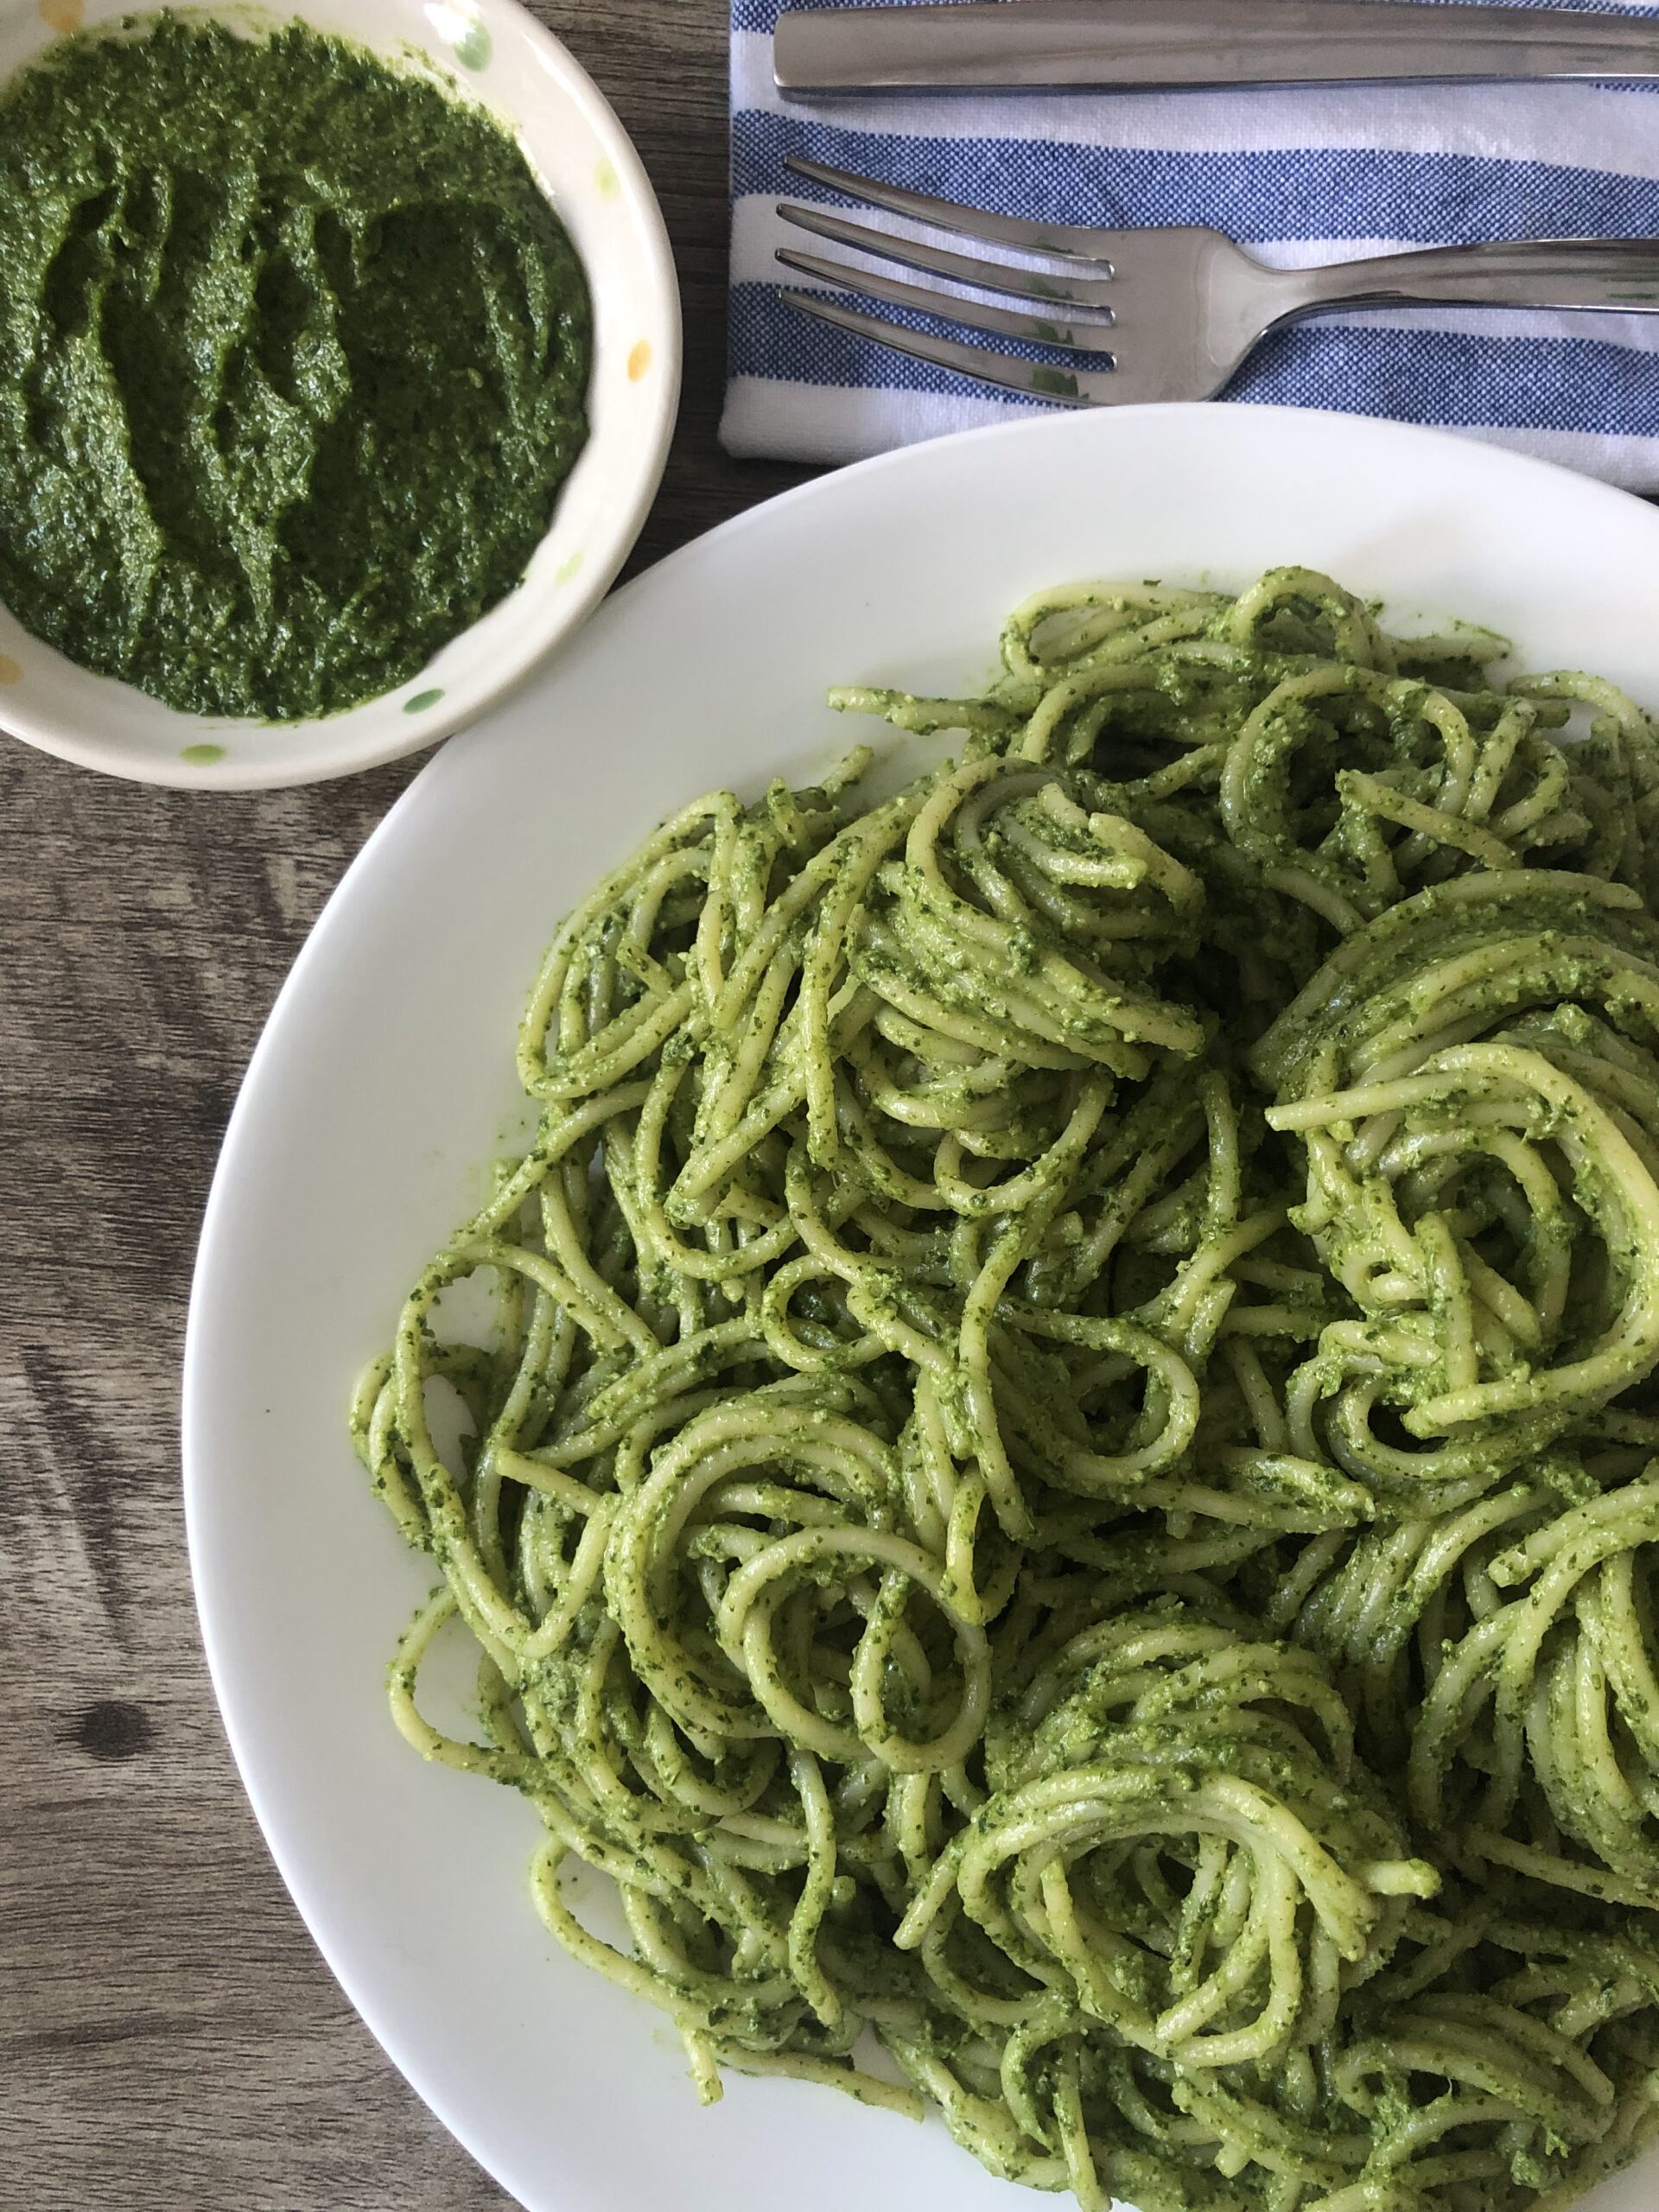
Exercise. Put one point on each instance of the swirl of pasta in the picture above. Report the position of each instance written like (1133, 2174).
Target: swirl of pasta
(1051, 1457)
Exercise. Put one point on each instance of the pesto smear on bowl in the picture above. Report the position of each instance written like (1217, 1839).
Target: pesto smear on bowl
(293, 359)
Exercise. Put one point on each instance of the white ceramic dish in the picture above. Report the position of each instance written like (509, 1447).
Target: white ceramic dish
(494, 51)
(384, 1080)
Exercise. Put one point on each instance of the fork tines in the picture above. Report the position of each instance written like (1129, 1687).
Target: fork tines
(1084, 299)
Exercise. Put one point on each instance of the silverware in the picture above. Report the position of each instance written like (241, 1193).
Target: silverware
(1132, 45)
(1173, 313)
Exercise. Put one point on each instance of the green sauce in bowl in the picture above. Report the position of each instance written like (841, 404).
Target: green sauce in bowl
(294, 354)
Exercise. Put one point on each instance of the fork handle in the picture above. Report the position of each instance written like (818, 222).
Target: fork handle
(1598, 274)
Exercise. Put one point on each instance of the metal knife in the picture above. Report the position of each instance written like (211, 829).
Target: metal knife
(1139, 45)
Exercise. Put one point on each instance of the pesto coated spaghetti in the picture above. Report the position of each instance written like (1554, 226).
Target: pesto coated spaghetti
(1063, 1484)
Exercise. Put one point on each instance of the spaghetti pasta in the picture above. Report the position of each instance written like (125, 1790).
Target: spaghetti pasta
(1060, 1483)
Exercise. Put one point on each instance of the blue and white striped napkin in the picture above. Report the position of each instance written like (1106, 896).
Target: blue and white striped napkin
(1299, 176)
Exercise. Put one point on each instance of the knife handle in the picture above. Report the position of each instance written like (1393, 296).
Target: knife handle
(1141, 44)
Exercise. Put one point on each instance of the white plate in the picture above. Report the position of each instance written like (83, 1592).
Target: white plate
(384, 1080)
(496, 51)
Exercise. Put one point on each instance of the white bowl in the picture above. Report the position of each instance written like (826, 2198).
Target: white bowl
(494, 51)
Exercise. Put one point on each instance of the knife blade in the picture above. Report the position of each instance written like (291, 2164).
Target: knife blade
(1146, 45)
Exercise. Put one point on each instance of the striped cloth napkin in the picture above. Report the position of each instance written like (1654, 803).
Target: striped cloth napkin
(1297, 176)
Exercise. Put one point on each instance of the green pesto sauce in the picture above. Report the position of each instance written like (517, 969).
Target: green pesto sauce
(293, 358)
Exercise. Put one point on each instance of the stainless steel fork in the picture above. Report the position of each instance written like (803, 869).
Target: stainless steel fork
(1164, 313)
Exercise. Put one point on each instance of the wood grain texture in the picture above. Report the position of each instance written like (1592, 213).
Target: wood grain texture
(169, 2040)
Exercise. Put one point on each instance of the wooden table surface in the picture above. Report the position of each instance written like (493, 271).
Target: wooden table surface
(170, 2039)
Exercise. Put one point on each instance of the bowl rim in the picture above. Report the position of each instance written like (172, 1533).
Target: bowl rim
(318, 753)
